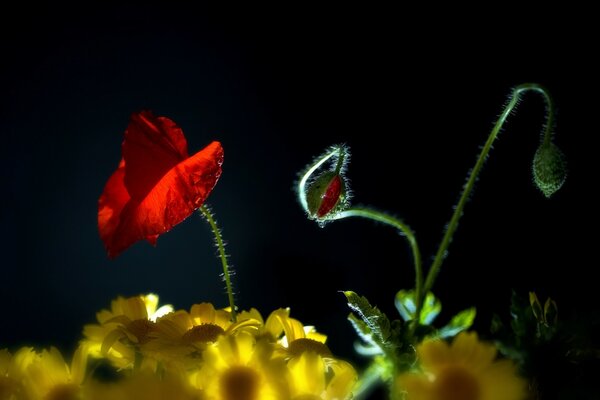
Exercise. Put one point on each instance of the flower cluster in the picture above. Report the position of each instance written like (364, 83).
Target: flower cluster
(158, 353)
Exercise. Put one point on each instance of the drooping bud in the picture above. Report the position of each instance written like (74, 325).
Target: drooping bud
(549, 168)
(325, 194)
(323, 191)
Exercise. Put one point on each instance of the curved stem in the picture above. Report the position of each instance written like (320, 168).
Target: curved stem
(402, 227)
(468, 188)
(220, 244)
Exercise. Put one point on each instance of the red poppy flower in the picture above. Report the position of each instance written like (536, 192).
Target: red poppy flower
(157, 184)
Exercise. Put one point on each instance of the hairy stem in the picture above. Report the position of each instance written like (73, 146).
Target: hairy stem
(468, 188)
(404, 230)
(204, 210)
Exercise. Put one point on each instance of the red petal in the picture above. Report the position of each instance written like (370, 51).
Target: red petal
(152, 146)
(111, 203)
(330, 197)
(172, 199)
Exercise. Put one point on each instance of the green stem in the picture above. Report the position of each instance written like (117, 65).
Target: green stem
(468, 188)
(367, 382)
(402, 227)
(219, 240)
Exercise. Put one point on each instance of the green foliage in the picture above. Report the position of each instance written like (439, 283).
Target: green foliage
(378, 324)
(373, 346)
(556, 354)
(460, 322)
(406, 304)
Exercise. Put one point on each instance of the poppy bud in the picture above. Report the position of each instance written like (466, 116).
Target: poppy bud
(549, 168)
(323, 191)
(325, 194)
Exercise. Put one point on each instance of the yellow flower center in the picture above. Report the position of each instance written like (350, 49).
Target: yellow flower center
(203, 333)
(456, 383)
(299, 346)
(141, 328)
(63, 392)
(240, 383)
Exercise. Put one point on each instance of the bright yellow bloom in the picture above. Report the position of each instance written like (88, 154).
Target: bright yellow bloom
(129, 323)
(464, 370)
(311, 378)
(46, 375)
(181, 337)
(239, 367)
(296, 338)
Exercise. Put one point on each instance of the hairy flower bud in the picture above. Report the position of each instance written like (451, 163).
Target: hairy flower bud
(325, 194)
(549, 168)
(323, 190)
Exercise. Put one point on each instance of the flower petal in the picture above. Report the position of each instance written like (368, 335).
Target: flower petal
(111, 204)
(152, 147)
(172, 199)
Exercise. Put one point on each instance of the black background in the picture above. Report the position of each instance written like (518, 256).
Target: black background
(413, 95)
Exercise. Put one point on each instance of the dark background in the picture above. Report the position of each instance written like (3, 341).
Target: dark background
(413, 95)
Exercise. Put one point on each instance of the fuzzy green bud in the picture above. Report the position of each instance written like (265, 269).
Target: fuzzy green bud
(326, 195)
(323, 190)
(549, 168)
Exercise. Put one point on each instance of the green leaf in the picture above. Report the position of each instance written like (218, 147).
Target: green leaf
(496, 325)
(522, 316)
(405, 303)
(407, 306)
(361, 328)
(460, 322)
(550, 312)
(377, 322)
(536, 307)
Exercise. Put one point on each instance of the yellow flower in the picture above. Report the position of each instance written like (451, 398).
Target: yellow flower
(46, 375)
(143, 386)
(296, 338)
(9, 386)
(121, 330)
(182, 336)
(464, 370)
(238, 367)
(313, 371)
(311, 378)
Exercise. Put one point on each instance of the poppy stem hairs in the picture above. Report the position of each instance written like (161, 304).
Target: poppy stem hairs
(323, 193)
(205, 211)
(549, 168)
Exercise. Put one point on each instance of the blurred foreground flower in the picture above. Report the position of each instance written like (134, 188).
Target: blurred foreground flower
(157, 184)
(464, 370)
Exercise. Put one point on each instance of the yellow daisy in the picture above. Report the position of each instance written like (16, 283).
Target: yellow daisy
(238, 367)
(464, 370)
(296, 338)
(121, 330)
(46, 375)
(183, 335)
(311, 378)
